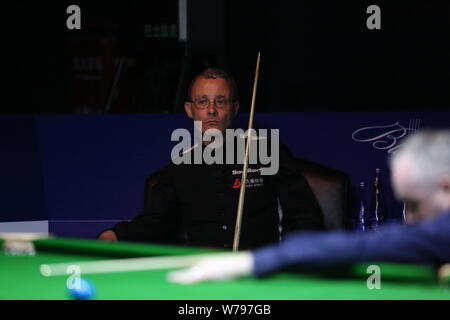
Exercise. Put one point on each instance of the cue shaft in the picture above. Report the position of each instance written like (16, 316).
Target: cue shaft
(123, 265)
(237, 230)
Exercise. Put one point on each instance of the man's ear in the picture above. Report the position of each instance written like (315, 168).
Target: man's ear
(444, 183)
(444, 199)
(188, 108)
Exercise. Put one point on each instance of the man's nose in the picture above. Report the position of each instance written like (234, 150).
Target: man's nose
(212, 108)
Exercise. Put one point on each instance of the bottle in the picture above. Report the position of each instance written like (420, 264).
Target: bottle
(361, 217)
(377, 208)
(404, 212)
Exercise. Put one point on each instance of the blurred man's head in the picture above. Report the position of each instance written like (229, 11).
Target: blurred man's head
(212, 99)
(421, 174)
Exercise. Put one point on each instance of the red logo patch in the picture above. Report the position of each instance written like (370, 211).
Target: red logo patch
(236, 184)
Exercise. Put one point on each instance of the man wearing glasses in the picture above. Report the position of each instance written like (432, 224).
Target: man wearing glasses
(196, 204)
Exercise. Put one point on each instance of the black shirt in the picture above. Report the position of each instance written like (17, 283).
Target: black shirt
(196, 205)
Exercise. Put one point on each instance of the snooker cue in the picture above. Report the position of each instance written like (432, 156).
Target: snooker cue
(237, 230)
(124, 265)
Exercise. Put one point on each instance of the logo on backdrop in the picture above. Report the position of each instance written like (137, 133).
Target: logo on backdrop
(387, 137)
(213, 153)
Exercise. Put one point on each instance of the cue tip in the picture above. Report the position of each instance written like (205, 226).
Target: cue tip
(45, 269)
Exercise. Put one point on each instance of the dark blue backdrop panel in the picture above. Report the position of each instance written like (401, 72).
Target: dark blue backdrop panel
(21, 187)
(354, 142)
(327, 137)
(95, 166)
(92, 168)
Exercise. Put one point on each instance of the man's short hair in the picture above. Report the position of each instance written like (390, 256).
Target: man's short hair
(215, 73)
(430, 152)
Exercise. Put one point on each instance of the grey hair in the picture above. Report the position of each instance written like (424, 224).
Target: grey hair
(430, 153)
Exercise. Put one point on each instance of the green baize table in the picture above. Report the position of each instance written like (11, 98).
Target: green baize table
(20, 277)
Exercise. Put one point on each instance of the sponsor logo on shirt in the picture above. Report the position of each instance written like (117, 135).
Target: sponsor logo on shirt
(249, 170)
(252, 182)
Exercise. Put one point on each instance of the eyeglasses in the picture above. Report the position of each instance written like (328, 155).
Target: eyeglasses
(220, 103)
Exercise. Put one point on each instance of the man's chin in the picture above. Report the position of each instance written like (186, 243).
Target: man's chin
(207, 127)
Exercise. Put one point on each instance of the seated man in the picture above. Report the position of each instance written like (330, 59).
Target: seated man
(196, 204)
(420, 176)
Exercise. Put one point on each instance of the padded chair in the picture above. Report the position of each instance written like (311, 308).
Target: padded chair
(332, 190)
(330, 186)
(150, 181)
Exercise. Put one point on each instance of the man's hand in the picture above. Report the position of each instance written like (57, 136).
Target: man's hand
(215, 268)
(107, 235)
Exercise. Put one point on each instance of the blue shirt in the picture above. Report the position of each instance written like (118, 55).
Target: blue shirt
(426, 242)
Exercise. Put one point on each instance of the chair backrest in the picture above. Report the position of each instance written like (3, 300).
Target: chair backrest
(332, 190)
(150, 181)
(330, 186)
